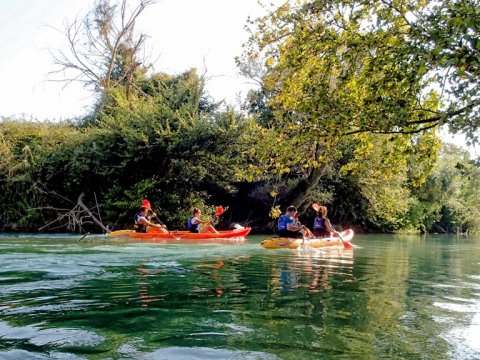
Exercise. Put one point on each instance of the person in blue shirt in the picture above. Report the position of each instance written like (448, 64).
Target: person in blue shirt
(321, 224)
(288, 226)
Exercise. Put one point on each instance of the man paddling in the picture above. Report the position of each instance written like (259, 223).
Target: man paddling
(288, 227)
(142, 221)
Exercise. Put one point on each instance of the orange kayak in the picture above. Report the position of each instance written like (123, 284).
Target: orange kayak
(154, 234)
(287, 243)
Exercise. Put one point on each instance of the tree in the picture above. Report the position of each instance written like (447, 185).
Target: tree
(446, 37)
(452, 192)
(332, 70)
(341, 67)
(104, 51)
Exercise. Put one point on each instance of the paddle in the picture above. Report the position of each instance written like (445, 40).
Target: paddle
(218, 212)
(307, 235)
(147, 204)
(346, 244)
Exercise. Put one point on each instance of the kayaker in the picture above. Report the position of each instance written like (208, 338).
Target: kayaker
(288, 227)
(142, 221)
(321, 224)
(195, 222)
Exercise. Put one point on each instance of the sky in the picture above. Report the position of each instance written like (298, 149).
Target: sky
(182, 34)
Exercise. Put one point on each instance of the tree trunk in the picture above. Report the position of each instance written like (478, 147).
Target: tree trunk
(437, 228)
(300, 193)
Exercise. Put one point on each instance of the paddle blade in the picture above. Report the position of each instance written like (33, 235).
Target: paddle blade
(220, 210)
(316, 206)
(146, 203)
(347, 245)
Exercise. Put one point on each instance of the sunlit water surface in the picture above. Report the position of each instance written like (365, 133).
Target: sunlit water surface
(392, 297)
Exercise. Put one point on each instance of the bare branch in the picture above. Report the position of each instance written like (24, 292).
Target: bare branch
(95, 42)
(399, 132)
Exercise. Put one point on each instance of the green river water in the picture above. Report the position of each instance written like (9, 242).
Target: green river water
(392, 297)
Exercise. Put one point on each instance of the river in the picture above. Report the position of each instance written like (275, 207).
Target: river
(392, 297)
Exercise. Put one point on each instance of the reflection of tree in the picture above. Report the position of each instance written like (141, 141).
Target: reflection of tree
(397, 312)
(215, 267)
(290, 304)
(142, 283)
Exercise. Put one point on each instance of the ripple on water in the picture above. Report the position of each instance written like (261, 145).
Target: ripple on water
(51, 284)
(466, 339)
(58, 337)
(51, 308)
(24, 354)
(194, 353)
(464, 314)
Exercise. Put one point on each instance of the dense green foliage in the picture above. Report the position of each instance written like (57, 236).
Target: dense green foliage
(171, 147)
(181, 151)
(355, 91)
(339, 67)
(346, 115)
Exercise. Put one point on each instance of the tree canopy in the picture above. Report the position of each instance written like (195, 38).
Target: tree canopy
(334, 68)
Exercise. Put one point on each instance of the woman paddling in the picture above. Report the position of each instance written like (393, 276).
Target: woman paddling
(321, 224)
(194, 223)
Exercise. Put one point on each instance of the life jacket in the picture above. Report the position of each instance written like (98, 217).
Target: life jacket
(283, 221)
(141, 228)
(319, 224)
(192, 226)
(319, 227)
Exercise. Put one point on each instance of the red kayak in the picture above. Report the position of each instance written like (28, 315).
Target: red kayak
(154, 233)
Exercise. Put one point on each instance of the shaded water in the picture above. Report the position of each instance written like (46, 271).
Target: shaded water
(390, 298)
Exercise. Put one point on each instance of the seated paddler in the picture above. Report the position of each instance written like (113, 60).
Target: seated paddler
(143, 223)
(321, 225)
(288, 227)
(195, 223)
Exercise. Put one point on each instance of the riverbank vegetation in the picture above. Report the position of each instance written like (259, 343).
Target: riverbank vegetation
(349, 103)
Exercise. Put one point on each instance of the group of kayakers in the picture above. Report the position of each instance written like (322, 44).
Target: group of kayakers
(143, 221)
(288, 225)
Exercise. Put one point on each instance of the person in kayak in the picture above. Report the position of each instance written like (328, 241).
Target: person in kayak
(288, 227)
(142, 221)
(321, 224)
(195, 222)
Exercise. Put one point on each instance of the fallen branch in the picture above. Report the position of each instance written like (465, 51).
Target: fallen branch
(82, 205)
(77, 217)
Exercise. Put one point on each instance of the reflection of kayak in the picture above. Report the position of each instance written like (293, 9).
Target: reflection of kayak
(280, 243)
(153, 234)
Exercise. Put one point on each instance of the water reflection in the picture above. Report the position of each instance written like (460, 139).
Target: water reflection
(405, 298)
(310, 269)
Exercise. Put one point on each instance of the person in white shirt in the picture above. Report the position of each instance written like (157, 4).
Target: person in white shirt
(195, 222)
(142, 221)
